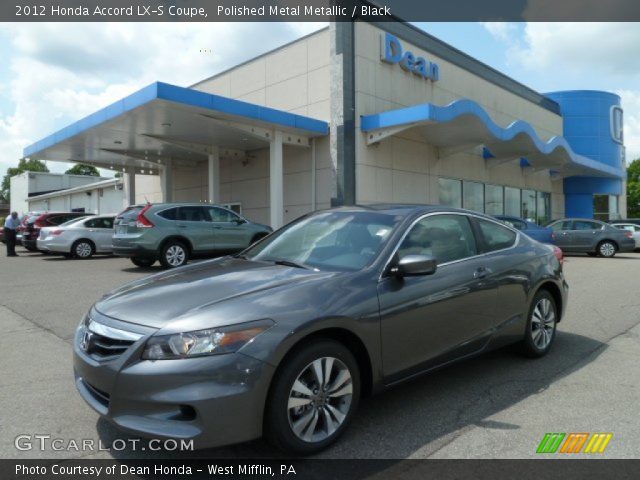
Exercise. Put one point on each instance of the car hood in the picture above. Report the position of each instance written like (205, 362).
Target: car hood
(196, 290)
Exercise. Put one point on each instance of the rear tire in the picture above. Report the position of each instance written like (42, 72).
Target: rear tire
(174, 254)
(143, 262)
(83, 249)
(607, 249)
(322, 407)
(541, 325)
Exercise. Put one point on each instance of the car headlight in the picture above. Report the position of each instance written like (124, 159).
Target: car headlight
(212, 341)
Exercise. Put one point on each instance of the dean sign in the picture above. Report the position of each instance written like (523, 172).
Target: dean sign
(391, 52)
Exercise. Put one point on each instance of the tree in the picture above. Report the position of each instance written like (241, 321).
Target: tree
(25, 165)
(82, 169)
(633, 189)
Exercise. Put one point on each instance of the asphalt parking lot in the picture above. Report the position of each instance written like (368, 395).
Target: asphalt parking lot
(497, 406)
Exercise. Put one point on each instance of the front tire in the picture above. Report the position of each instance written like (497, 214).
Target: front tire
(83, 249)
(607, 249)
(313, 398)
(541, 325)
(174, 254)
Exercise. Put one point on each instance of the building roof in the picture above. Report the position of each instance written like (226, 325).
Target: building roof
(111, 182)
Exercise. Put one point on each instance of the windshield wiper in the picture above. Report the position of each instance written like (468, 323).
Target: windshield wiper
(289, 263)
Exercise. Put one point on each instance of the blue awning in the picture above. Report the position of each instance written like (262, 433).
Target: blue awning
(162, 120)
(464, 123)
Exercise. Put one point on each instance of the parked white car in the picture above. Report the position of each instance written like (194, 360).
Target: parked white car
(631, 227)
(80, 237)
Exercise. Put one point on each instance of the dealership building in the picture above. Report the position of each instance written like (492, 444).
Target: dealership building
(361, 113)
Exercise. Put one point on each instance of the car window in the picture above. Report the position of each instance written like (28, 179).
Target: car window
(517, 224)
(496, 237)
(221, 215)
(563, 225)
(444, 237)
(99, 223)
(169, 213)
(191, 214)
(585, 225)
(130, 213)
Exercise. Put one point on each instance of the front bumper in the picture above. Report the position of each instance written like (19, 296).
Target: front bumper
(214, 400)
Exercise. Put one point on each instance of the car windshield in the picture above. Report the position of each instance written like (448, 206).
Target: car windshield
(334, 241)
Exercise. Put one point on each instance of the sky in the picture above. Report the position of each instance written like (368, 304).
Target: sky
(53, 74)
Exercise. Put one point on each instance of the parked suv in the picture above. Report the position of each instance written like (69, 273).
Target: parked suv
(50, 219)
(172, 233)
(591, 236)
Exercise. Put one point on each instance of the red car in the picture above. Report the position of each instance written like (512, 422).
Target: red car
(50, 219)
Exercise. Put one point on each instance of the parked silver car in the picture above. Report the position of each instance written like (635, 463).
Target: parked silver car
(630, 227)
(79, 238)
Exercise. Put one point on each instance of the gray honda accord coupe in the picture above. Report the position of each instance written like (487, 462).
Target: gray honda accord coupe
(284, 339)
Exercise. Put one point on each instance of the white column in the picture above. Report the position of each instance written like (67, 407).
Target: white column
(130, 174)
(276, 181)
(166, 180)
(213, 176)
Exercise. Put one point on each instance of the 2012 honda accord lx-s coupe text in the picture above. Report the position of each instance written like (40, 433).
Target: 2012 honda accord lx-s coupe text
(283, 339)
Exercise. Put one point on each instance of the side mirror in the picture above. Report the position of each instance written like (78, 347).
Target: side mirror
(415, 265)
(239, 221)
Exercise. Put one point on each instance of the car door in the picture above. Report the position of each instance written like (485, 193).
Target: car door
(101, 232)
(193, 224)
(585, 234)
(562, 234)
(429, 320)
(229, 229)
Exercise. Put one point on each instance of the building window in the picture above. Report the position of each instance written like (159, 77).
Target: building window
(473, 196)
(543, 208)
(450, 192)
(605, 207)
(512, 201)
(616, 124)
(529, 204)
(493, 200)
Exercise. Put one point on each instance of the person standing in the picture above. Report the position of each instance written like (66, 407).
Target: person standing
(11, 224)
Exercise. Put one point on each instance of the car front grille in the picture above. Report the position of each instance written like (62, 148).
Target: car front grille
(103, 342)
(99, 395)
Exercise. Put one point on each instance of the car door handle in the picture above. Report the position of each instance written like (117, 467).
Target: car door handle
(217, 227)
(182, 226)
(481, 272)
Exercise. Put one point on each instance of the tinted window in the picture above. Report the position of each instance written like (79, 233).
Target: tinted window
(99, 223)
(473, 196)
(511, 201)
(517, 224)
(130, 213)
(558, 226)
(221, 215)
(444, 237)
(191, 214)
(450, 192)
(493, 200)
(584, 225)
(496, 237)
(169, 214)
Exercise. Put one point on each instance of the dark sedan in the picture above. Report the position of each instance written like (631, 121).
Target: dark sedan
(585, 235)
(535, 231)
(283, 339)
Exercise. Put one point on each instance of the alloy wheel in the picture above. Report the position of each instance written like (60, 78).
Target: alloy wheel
(83, 250)
(543, 323)
(607, 249)
(175, 255)
(320, 399)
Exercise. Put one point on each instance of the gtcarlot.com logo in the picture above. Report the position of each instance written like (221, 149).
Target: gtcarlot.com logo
(574, 443)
